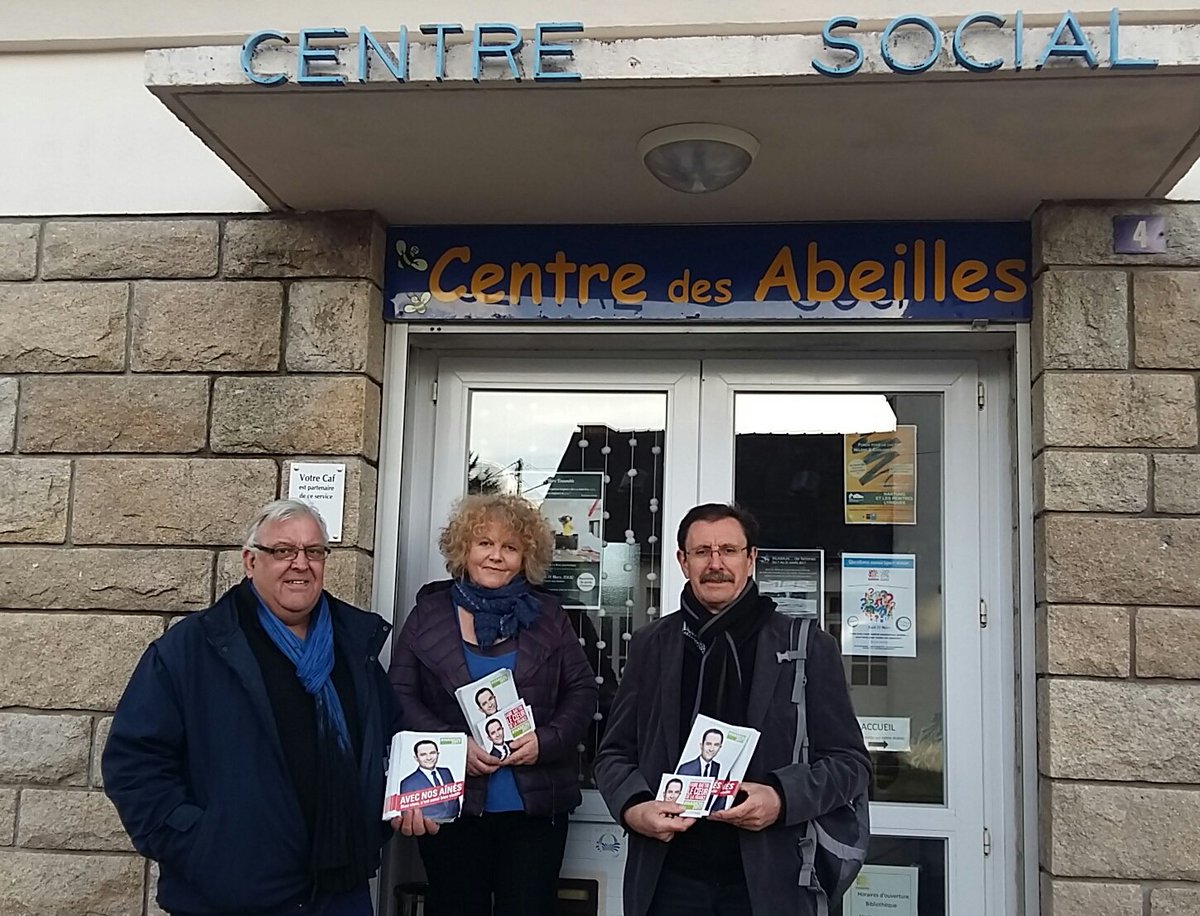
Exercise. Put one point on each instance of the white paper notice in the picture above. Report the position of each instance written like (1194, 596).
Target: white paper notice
(322, 486)
(885, 733)
(882, 890)
(879, 604)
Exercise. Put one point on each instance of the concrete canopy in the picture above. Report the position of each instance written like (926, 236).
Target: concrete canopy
(945, 144)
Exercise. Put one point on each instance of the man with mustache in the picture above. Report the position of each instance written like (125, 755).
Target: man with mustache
(718, 657)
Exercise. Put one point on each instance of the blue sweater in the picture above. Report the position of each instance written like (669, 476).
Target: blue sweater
(196, 771)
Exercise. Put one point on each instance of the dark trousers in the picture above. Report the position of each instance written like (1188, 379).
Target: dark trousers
(351, 903)
(346, 903)
(504, 864)
(679, 895)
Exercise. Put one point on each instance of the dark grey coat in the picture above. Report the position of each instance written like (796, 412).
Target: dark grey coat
(645, 734)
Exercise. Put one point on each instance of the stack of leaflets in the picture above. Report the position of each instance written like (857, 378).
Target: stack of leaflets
(426, 770)
(711, 768)
(497, 715)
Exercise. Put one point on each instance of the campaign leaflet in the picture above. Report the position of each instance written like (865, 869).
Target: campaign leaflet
(506, 726)
(692, 792)
(426, 770)
(493, 698)
(720, 751)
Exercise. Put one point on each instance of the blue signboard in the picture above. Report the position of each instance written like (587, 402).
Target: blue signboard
(1139, 234)
(921, 271)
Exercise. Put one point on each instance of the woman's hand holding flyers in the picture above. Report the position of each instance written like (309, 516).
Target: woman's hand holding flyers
(479, 761)
(524, 750)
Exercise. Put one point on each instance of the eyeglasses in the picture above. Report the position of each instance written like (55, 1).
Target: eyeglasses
(724, 551)
(288, 552)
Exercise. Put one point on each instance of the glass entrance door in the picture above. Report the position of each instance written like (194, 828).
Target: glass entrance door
(609, 453)
(864, 478)
(848, 471)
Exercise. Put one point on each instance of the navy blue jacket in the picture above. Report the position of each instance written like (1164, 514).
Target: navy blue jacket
(196, 771)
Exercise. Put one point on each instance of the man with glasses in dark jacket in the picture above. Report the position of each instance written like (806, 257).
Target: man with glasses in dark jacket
(247, 753)
(718, 657)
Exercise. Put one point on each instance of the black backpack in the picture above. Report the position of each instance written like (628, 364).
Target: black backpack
(834, 845)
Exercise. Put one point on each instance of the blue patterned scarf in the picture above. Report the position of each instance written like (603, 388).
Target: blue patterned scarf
(338, 841)
(498, 612)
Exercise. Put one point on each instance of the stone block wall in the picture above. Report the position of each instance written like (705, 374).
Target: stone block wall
(1116, 359)
(156, 376)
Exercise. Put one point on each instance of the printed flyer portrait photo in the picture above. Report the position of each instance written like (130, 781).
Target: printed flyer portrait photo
(514, 721)
(692, 792)
(718, 751)
(426, 770)
(483, 698)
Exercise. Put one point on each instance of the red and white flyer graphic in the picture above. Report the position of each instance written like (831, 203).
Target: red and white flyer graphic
(507, 725)
(726, 787)
(423, 797)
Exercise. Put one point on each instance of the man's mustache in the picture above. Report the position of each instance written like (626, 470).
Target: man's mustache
(716, 575)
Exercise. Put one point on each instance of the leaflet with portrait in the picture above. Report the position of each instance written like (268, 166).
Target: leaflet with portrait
(508, 724)
(491, 700)
(692, 792)
(426, 770)
(721, 752)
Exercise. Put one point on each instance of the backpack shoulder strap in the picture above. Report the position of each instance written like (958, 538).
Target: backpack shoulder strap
(797, 653)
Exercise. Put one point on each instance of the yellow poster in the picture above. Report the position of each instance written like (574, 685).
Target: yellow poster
(881, 477)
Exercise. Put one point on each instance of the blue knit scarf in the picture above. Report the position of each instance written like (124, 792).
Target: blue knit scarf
(338, 841)
(498, 612)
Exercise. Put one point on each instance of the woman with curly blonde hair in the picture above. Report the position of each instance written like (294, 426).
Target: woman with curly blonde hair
(503, 854)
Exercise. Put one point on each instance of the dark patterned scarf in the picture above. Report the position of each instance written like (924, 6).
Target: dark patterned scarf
(498, 612)
(724, 645)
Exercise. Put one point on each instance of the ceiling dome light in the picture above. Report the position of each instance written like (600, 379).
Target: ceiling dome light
(697, 158)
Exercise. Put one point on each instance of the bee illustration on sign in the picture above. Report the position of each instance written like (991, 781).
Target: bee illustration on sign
(416, 302)
(407, 256)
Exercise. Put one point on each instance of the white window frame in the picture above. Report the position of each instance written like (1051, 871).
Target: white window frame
(961, 820)
(403, 515)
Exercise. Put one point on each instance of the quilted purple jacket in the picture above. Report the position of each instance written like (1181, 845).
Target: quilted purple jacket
(552, 675)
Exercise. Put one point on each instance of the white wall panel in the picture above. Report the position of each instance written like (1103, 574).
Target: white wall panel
(84, 136)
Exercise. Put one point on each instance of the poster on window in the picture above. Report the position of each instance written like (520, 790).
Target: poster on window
(886, 733)
(880, 477)
(794, 580)
(879, 604)
(573, 503)
(883, 890)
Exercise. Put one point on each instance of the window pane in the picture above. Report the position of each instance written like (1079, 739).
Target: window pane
(594, 462)
(848, 492)
(899, 872)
